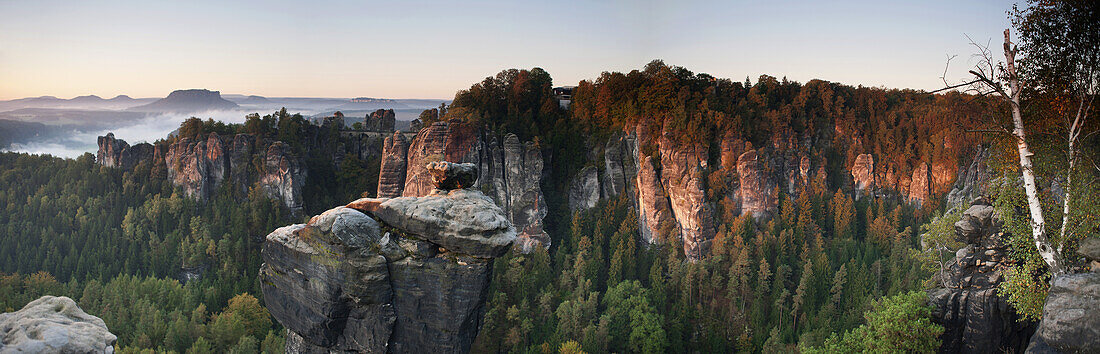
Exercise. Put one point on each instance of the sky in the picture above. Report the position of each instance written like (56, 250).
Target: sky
(430, 49)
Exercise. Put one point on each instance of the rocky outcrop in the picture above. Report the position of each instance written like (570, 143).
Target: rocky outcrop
(975, 318)
(381, 120)
(757, 189)
(972, 179)
(510, 173)
(408, 274)
(109, 150)
(1070, 323)
(584, 191)
(197, 166)
(283, 175)
(117, 153)
(54, 325)
(240, 159)
(920, 186)
(336, 121)
(395, 158)
(863, 174)
(442, 141)
(522, 199)
(682, 175)
(620, 166)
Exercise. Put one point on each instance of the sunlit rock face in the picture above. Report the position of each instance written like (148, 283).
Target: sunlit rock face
(757, 188)
(863, 174)
(682, 167)
(197, 165)
(54, 325)
(406, 274)
(920, 184)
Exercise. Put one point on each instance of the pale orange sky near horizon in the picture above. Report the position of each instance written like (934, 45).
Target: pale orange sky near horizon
(432, 49)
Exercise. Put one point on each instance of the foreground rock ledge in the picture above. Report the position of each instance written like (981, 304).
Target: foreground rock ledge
(415, 282)
(54, 325)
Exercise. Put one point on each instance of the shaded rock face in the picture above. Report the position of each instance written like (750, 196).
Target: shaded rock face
(197, 166)
(117, 153)
(584, 191)
(682, 175)
(391, 176)
(972, 179)
(283, 175)
(863, 174)
(1070, 322)
(367, 146)
(522, 197)
(975, 318)
(240, 157)
(757, 190)
(381, 120)
(54, 325)
(416, 282)
(620, 166)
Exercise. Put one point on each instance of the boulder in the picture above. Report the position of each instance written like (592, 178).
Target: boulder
(54, 325)
(1070, 321)
(463, 221)
(974, 223)
(448, 175)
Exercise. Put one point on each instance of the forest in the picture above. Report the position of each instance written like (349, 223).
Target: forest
(827, 272)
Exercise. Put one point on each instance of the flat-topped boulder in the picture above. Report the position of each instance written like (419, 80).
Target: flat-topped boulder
(54, 325)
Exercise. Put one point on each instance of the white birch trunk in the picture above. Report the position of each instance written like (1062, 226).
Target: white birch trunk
(1038, 224)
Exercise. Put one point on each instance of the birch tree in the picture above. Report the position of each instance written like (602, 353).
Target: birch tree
(1003, 81)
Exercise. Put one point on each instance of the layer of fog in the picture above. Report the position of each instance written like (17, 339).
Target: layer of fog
(74, 142)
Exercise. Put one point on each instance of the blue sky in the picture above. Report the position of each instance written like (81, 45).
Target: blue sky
(430, 49)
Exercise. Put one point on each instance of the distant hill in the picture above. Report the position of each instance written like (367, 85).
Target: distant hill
(19, 132)
(79, 102)
(185, 101)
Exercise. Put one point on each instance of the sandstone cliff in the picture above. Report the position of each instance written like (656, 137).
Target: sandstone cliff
(408, 274)
(381, 120)
(200, 166)
(395, 161)
(117, 153)
(54, 325)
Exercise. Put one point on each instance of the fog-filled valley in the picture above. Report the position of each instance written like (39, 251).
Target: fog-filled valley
(69, 127)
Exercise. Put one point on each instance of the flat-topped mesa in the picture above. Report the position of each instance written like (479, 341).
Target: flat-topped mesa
(408, 274)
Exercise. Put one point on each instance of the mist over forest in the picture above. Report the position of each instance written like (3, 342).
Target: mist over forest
(68, 127)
